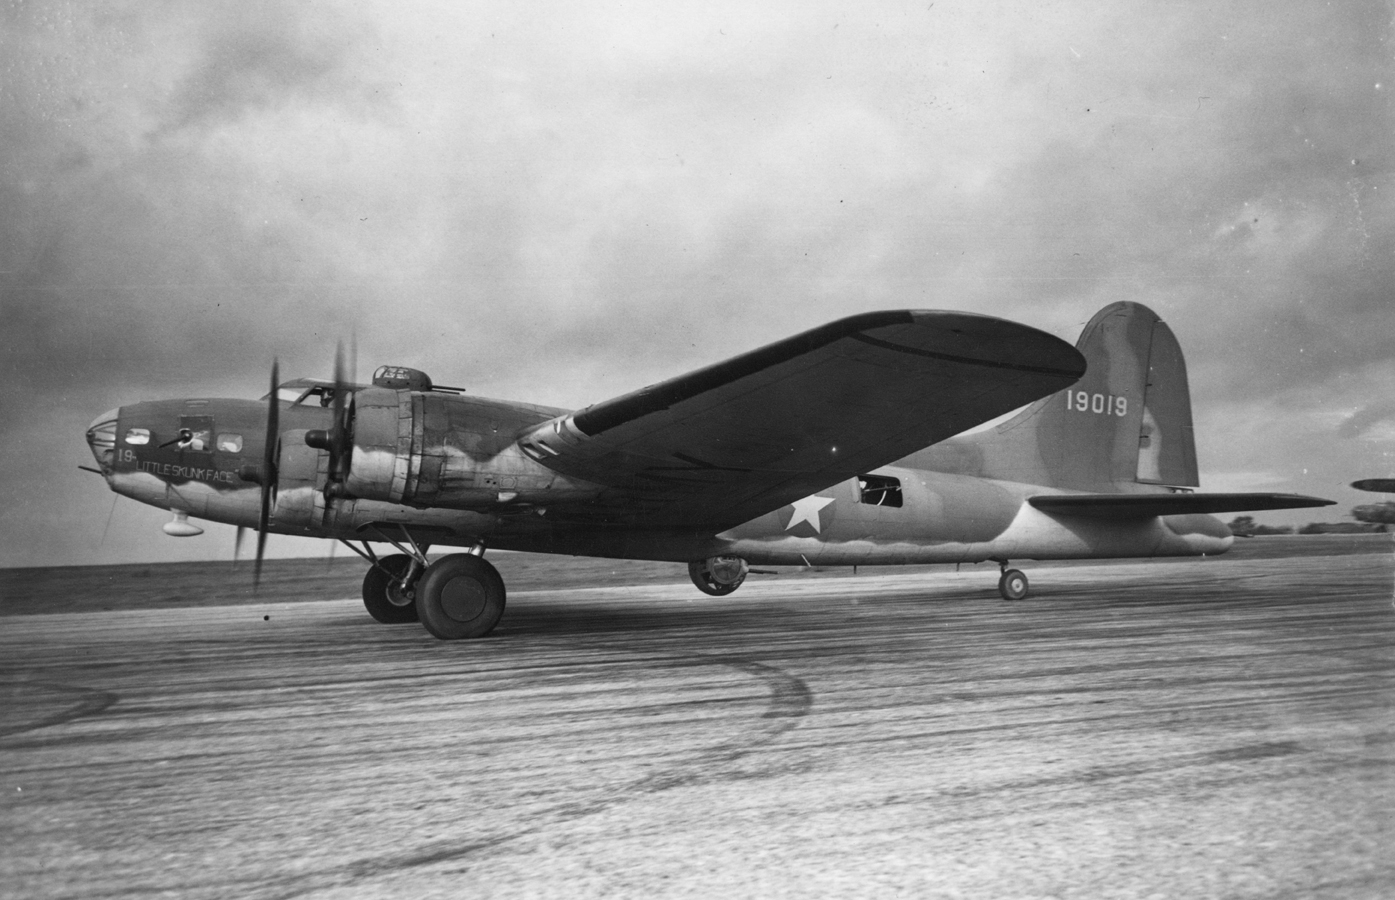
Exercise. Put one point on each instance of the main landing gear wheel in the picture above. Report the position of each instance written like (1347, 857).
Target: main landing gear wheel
(383, 594)
(1012, 584)
(718, 575)
(460, 596)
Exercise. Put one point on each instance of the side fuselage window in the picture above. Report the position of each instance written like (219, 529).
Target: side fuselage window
(879, 490)
(196, 433)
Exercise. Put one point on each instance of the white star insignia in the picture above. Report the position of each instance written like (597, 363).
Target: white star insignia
(807, 510)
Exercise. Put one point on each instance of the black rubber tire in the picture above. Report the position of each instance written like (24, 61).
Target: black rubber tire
(700, 572)
(1013, 585)
(460, 596)
(381, 584)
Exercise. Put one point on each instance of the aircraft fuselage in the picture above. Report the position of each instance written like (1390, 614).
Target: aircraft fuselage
(481, 488)
(852, 443)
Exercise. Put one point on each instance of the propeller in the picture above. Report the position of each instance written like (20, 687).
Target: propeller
(336, 440)
(273, 433)
(339, 448)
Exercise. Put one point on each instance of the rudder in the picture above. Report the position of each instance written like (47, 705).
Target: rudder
(1167, 438)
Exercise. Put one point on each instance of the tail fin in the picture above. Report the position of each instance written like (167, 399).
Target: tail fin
(1126, 423)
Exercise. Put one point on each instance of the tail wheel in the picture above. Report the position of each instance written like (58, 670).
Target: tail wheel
(718, 575)
(383, 594)
(1012, 585)
(460, 596)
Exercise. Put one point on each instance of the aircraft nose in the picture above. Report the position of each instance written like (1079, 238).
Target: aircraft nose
(101, 437)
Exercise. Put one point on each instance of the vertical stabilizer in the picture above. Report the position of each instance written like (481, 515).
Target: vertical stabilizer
(1126, 424)
(1166, 442)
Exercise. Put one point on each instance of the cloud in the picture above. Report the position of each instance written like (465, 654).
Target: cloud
(1367, 418)
(250, 60)
(563, 203)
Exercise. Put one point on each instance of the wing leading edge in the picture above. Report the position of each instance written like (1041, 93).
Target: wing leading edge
(1141, 506)
(729, 442)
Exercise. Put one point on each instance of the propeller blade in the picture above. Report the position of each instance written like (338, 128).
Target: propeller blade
(273, 433)
(338, 436)
(237, 545)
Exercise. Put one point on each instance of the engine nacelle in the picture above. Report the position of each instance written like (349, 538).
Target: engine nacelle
(423, 449)
(382, 456)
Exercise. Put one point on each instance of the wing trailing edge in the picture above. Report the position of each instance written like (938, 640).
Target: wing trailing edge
(1146, 506)
(734, 440)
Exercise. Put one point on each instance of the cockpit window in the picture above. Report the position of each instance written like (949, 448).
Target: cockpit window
(309, 392)
(138, 436)
(321, 394)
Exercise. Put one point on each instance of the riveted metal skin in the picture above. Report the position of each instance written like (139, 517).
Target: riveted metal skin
(846, 445)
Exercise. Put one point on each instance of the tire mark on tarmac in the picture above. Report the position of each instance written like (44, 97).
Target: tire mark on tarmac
(790, 699)
(90, 702)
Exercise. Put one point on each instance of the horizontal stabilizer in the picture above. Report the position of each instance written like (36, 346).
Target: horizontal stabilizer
(1378, 485)
(1143, 506)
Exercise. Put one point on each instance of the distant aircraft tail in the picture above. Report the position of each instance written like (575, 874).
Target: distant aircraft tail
(1124, 426)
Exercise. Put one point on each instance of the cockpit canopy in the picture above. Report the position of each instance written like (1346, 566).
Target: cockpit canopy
(315, 392)
(310, 392)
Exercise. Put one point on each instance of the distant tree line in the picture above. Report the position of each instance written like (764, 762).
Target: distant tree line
(1370, 518)
(1377, 513)
(1246, 526)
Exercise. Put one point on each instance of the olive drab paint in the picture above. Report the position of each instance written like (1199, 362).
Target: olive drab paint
(1167, 442)
(1125, 424)
(794, 453)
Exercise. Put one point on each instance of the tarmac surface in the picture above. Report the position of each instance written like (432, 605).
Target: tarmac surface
(1209, 728)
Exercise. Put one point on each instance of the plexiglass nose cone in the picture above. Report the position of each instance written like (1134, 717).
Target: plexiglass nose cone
(101, 437)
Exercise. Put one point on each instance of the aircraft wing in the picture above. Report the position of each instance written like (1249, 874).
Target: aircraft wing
(1378, 485)
(1145, 506)
(721, 445)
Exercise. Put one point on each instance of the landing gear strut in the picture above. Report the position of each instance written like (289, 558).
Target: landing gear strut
(1012, 584)
(390, 589)
(457, 596)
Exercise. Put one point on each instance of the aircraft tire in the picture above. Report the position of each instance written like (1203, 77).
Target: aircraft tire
(718, 575)
(382, 594)
(460, 596)
(1013, 585)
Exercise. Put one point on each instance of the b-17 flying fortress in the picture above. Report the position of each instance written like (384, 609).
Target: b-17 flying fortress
(844, 445)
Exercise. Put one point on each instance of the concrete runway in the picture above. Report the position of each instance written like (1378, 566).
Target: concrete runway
(1218, 728)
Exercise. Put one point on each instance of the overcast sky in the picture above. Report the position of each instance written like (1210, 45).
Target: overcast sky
(561, 202)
